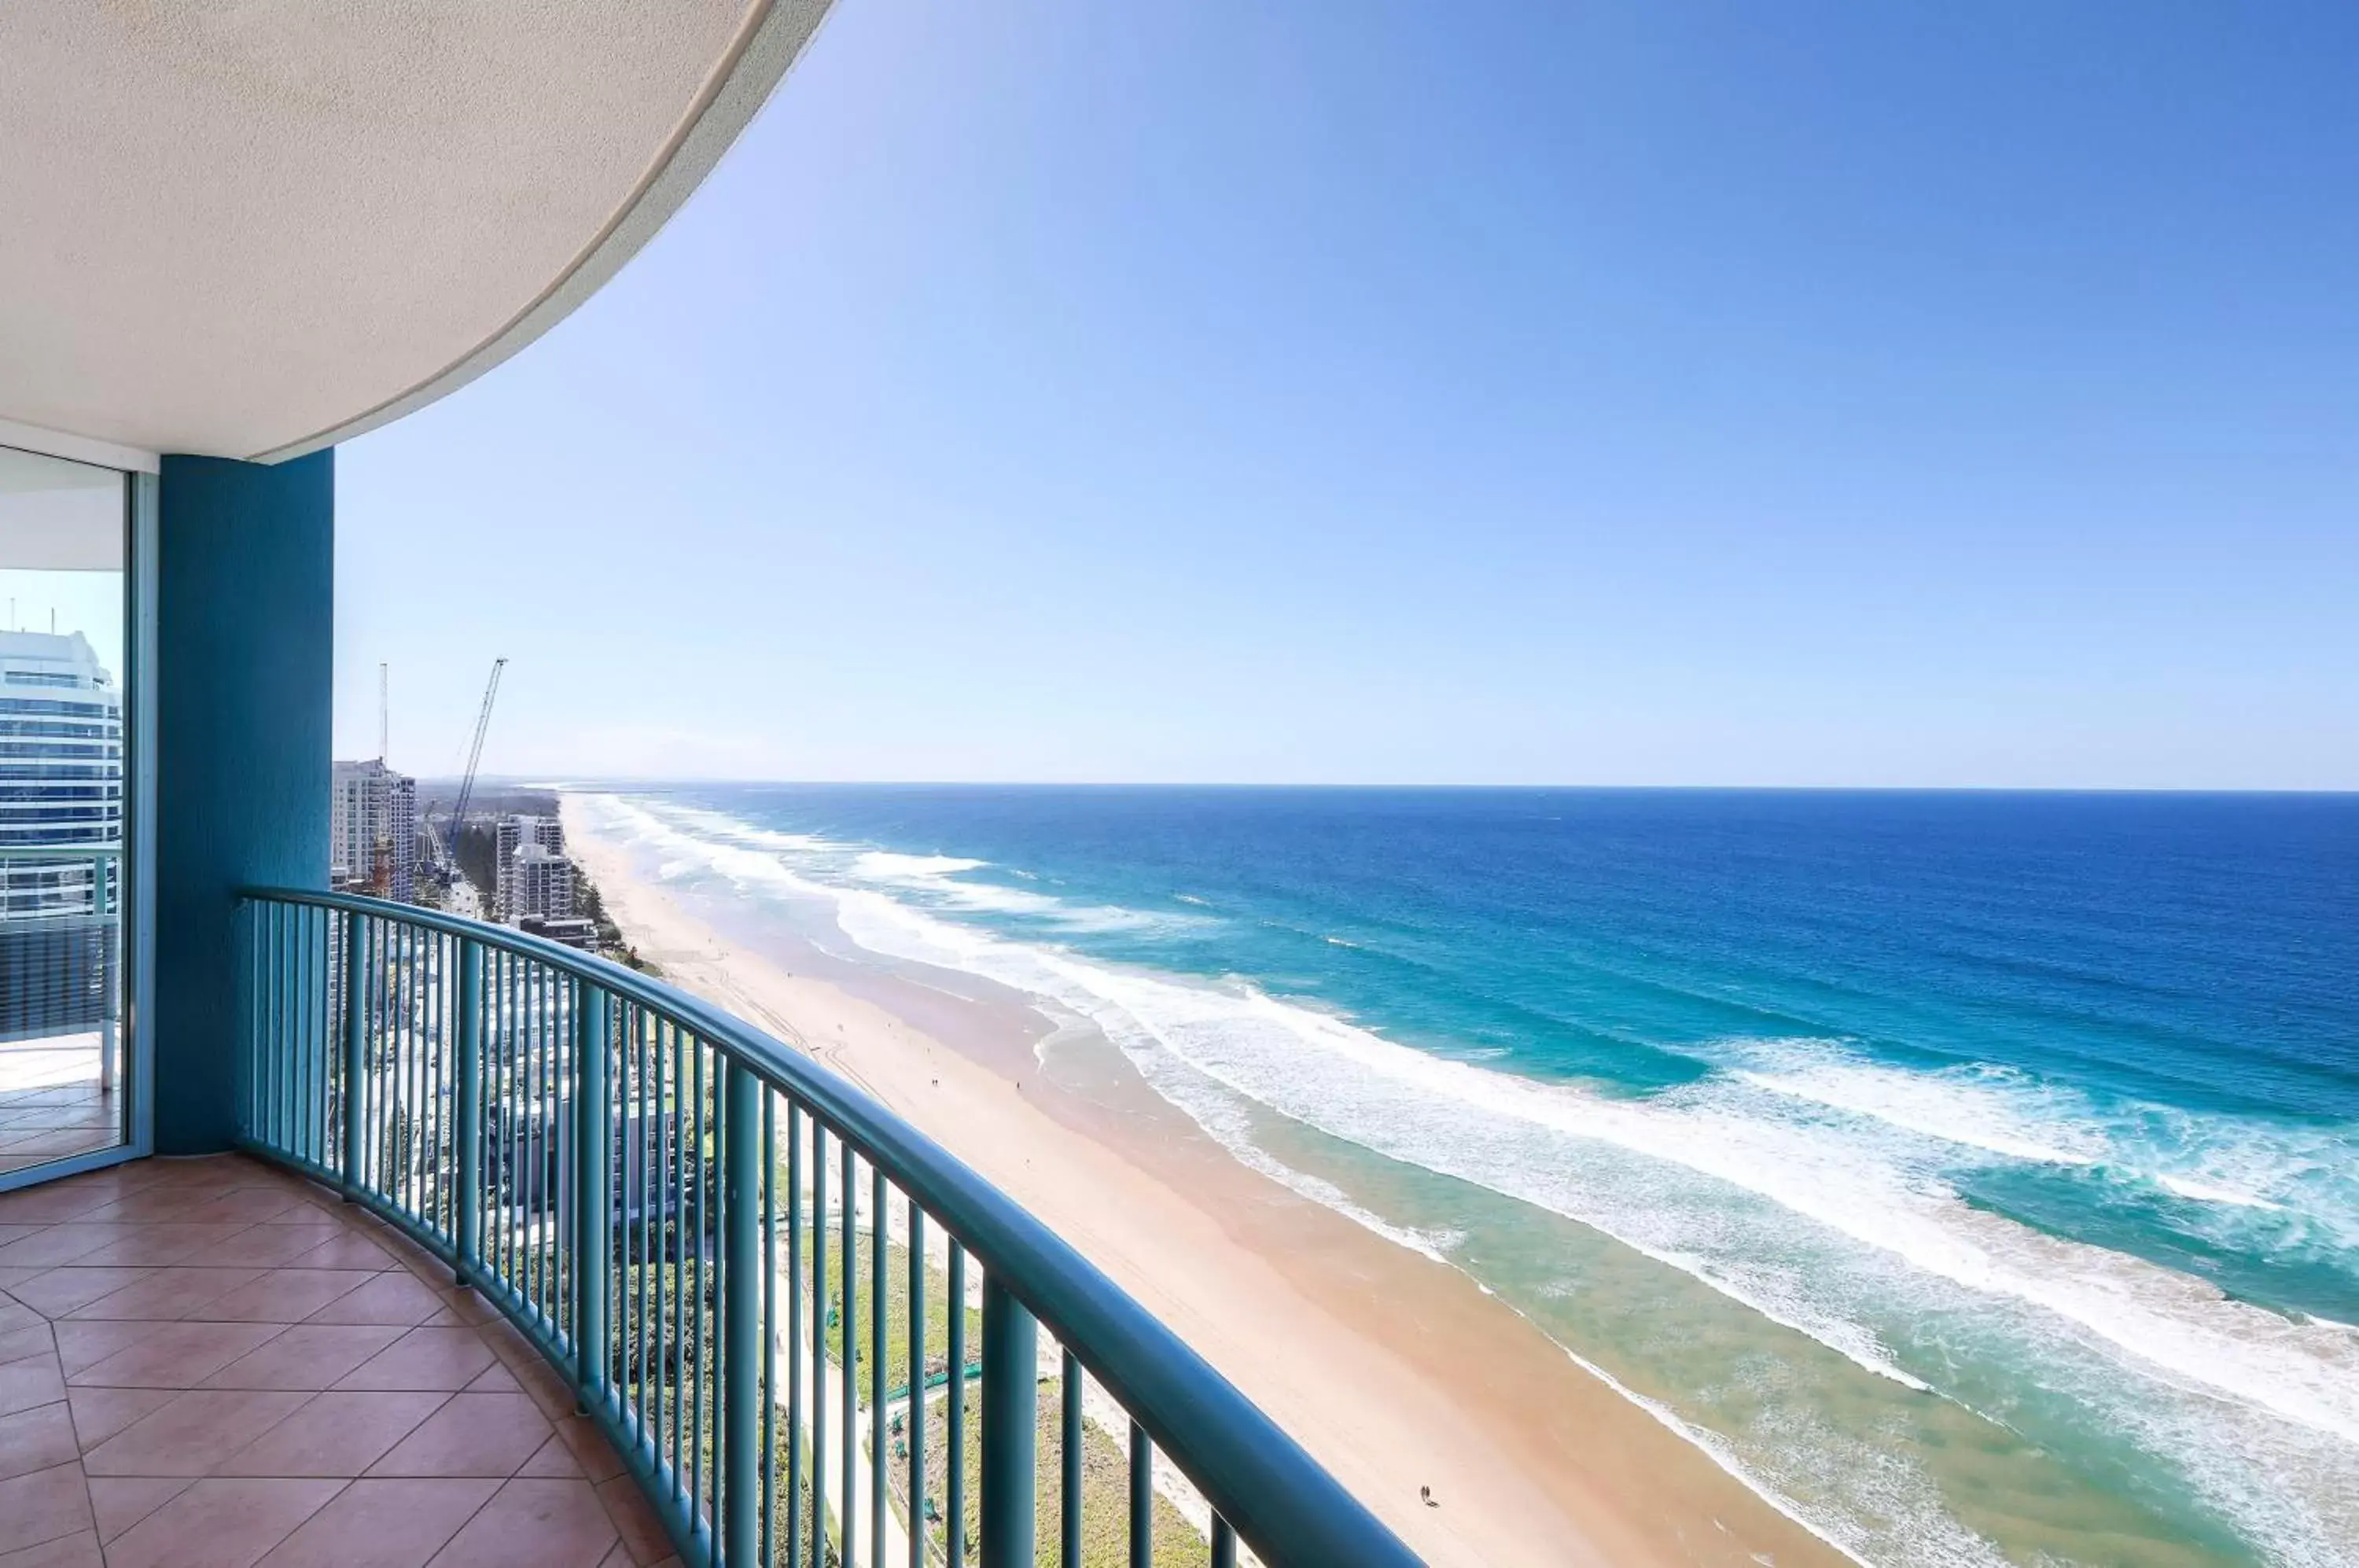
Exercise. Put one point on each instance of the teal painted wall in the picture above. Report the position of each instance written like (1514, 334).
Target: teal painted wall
(244, 615)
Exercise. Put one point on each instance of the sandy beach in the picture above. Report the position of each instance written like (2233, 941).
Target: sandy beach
(1396, 1372)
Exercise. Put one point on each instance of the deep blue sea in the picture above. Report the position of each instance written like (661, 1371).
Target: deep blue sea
(1975, 1174)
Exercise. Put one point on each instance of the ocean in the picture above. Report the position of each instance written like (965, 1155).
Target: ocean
(1975, 1175)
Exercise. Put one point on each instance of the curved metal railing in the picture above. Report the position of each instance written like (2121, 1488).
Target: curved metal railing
(642, 1183)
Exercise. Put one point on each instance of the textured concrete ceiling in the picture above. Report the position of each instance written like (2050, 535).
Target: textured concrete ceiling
(250, 228)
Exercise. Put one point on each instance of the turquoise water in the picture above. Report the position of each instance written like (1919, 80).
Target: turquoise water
(1975, 1175)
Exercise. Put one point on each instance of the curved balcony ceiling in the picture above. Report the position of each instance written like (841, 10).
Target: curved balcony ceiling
(251, 228)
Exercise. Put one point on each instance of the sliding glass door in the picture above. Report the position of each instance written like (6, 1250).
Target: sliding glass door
(68, 882)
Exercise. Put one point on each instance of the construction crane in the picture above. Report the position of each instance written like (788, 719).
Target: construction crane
(474, 759)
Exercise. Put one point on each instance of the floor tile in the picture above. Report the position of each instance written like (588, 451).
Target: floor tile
(591, 1449)
(272, 1246)
(473, 1435)
(346, 1250)
(308, 1355)
(79, 1550)
(32, 1339)
(252, 1205)
(166, 1294)
(392, 1297)
(30, 1382)
(49, 1203)
(284, 1295)
(382, 1524)
(160, 1244)
(496, 1379)
(42, 1505)
(60, 1290)
(37, 1439)
(82, 1344)
(334, 1434)
(100, 1413)
(151, 1205)
(192, 1434)
(173, 1356)
(59, 1244)
(221, 1523)
(424, 1358)
(533, 1524)
(121, 1501)
(643, 1535)
(554, 1457)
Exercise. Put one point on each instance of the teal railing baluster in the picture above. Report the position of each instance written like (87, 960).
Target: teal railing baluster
(878, 1231)
(847, 1269)
(768, 1171)
(818, 1345)
(470, 1177)
(1069, 1455)
(794, 1282)
(1142, 1497)
(706, 1354)
(954, 1429)
(593, 1198)
(741, 1282)
(356, 1051)
(1010, 1392)
(916, 1419)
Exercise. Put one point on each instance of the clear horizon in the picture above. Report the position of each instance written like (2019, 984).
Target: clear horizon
(1656, 397)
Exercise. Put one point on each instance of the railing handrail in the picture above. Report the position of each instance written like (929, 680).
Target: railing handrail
(1255, 1476)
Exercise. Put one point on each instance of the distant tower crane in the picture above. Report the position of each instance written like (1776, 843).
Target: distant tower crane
(474, 759)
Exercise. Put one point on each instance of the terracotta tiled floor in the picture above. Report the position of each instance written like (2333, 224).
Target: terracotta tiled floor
(51, 1103)
(206, 1364)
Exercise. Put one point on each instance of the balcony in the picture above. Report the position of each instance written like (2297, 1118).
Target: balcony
(469, 1248)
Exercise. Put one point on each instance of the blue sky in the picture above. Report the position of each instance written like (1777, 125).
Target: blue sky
(1616, 393)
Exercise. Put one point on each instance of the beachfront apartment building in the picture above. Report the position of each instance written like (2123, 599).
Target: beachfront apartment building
(537, 885)
(523, 827)
(372, 807)
(526, 887)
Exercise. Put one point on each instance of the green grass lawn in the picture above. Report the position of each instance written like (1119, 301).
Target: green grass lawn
(896, 1313)
(1105, 1489)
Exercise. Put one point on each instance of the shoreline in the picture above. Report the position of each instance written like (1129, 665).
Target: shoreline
(1394, 1370)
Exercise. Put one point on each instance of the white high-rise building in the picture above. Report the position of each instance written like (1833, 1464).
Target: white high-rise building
(539, 884)
(507, 834)
(61, 770)
(371, 803)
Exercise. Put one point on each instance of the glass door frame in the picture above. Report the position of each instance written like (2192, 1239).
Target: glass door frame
(135, 1076)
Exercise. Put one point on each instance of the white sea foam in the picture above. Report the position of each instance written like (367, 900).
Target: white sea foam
(1771, 1181)
(2214, 1160)
(1963, 1107)
(920, 870)
(2205, 1192)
